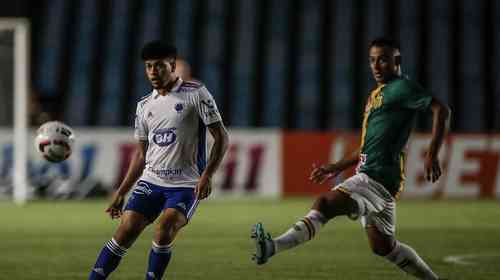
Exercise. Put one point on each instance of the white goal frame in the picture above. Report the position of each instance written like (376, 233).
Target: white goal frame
(21, 28)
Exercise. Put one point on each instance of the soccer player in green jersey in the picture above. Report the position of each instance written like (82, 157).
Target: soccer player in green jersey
(371, 194)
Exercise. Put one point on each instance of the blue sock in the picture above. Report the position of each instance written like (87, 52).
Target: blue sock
(159, 256)
(108, 260)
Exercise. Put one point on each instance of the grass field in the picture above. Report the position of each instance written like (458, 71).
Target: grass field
(60, 240)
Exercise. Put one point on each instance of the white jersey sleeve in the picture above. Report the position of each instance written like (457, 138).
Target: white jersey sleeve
(141, 128)
(206, 107)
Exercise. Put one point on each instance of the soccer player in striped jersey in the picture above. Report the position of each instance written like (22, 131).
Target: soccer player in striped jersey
(371, 194)
(169, 171)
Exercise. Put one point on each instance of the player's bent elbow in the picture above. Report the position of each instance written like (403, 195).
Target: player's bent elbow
(448, 112)
(440, 109)
(445, 111)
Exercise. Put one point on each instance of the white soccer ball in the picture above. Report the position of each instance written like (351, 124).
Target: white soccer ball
(54, 141)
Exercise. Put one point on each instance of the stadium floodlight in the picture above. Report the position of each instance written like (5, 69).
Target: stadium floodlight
(20, 28)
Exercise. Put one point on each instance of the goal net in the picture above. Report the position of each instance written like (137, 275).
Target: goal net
(14, 79)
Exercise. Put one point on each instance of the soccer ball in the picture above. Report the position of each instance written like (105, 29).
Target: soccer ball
(54, 141)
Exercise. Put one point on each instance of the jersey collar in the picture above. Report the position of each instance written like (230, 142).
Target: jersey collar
(177, 85)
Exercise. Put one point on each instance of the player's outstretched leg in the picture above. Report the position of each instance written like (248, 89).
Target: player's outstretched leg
(303, 230)
(108, 260)
(327, 206)
(264, 244)
(400, 254)
(132, 224)
(409, 261)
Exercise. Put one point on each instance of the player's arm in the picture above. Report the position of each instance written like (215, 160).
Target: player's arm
(133, 173)
(327, 171)
(221, 140)
(135, 168)
(440, 126)
(346, 162)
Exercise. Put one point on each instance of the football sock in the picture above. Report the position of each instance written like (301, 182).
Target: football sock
(408, 260)
(159, 256)
(108, 260)
(305, 229)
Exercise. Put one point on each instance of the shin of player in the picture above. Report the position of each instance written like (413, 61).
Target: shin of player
(168, 181)
(371, 194)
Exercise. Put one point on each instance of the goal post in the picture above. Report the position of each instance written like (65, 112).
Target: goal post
(21, 79)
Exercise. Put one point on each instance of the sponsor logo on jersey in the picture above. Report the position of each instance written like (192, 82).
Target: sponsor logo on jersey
(181, 205)
(375, 100)
(208, 103)
(211, 113)
(164, 136)
(179, 107)
(167, 172)
(142, 188)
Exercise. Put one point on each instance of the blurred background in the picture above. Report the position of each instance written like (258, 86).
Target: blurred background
(287, 76)
(299, 65)
(291, 79)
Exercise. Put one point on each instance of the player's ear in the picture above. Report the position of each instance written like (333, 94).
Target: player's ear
(172, 66)
(397, 59)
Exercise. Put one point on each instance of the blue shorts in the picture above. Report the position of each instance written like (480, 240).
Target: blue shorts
(150, 200)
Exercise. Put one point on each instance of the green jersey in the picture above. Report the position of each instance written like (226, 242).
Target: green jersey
(389, 117)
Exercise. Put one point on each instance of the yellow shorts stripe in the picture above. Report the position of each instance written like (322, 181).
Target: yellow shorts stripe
(342, 189)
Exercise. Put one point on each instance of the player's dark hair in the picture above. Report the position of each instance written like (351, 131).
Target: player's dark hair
(158, 50)
(385, 42)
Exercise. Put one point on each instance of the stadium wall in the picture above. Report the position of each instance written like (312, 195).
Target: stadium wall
(263, 163)
(470, 163)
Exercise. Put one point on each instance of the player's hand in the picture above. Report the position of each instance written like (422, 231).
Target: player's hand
(432, 168)
(203, 188)
(320, 174)
(115, 208)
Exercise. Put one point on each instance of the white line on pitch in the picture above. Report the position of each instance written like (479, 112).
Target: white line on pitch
(467, 259)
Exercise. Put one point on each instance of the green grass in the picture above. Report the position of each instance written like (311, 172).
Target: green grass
(60, 240)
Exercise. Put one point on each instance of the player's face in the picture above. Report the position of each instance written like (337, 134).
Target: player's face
(383, 64)
(160, 71)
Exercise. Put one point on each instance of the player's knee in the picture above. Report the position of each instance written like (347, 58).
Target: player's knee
(165, 233)
(331, 204)
(382, 250)
(128, 231)
(325, 205)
